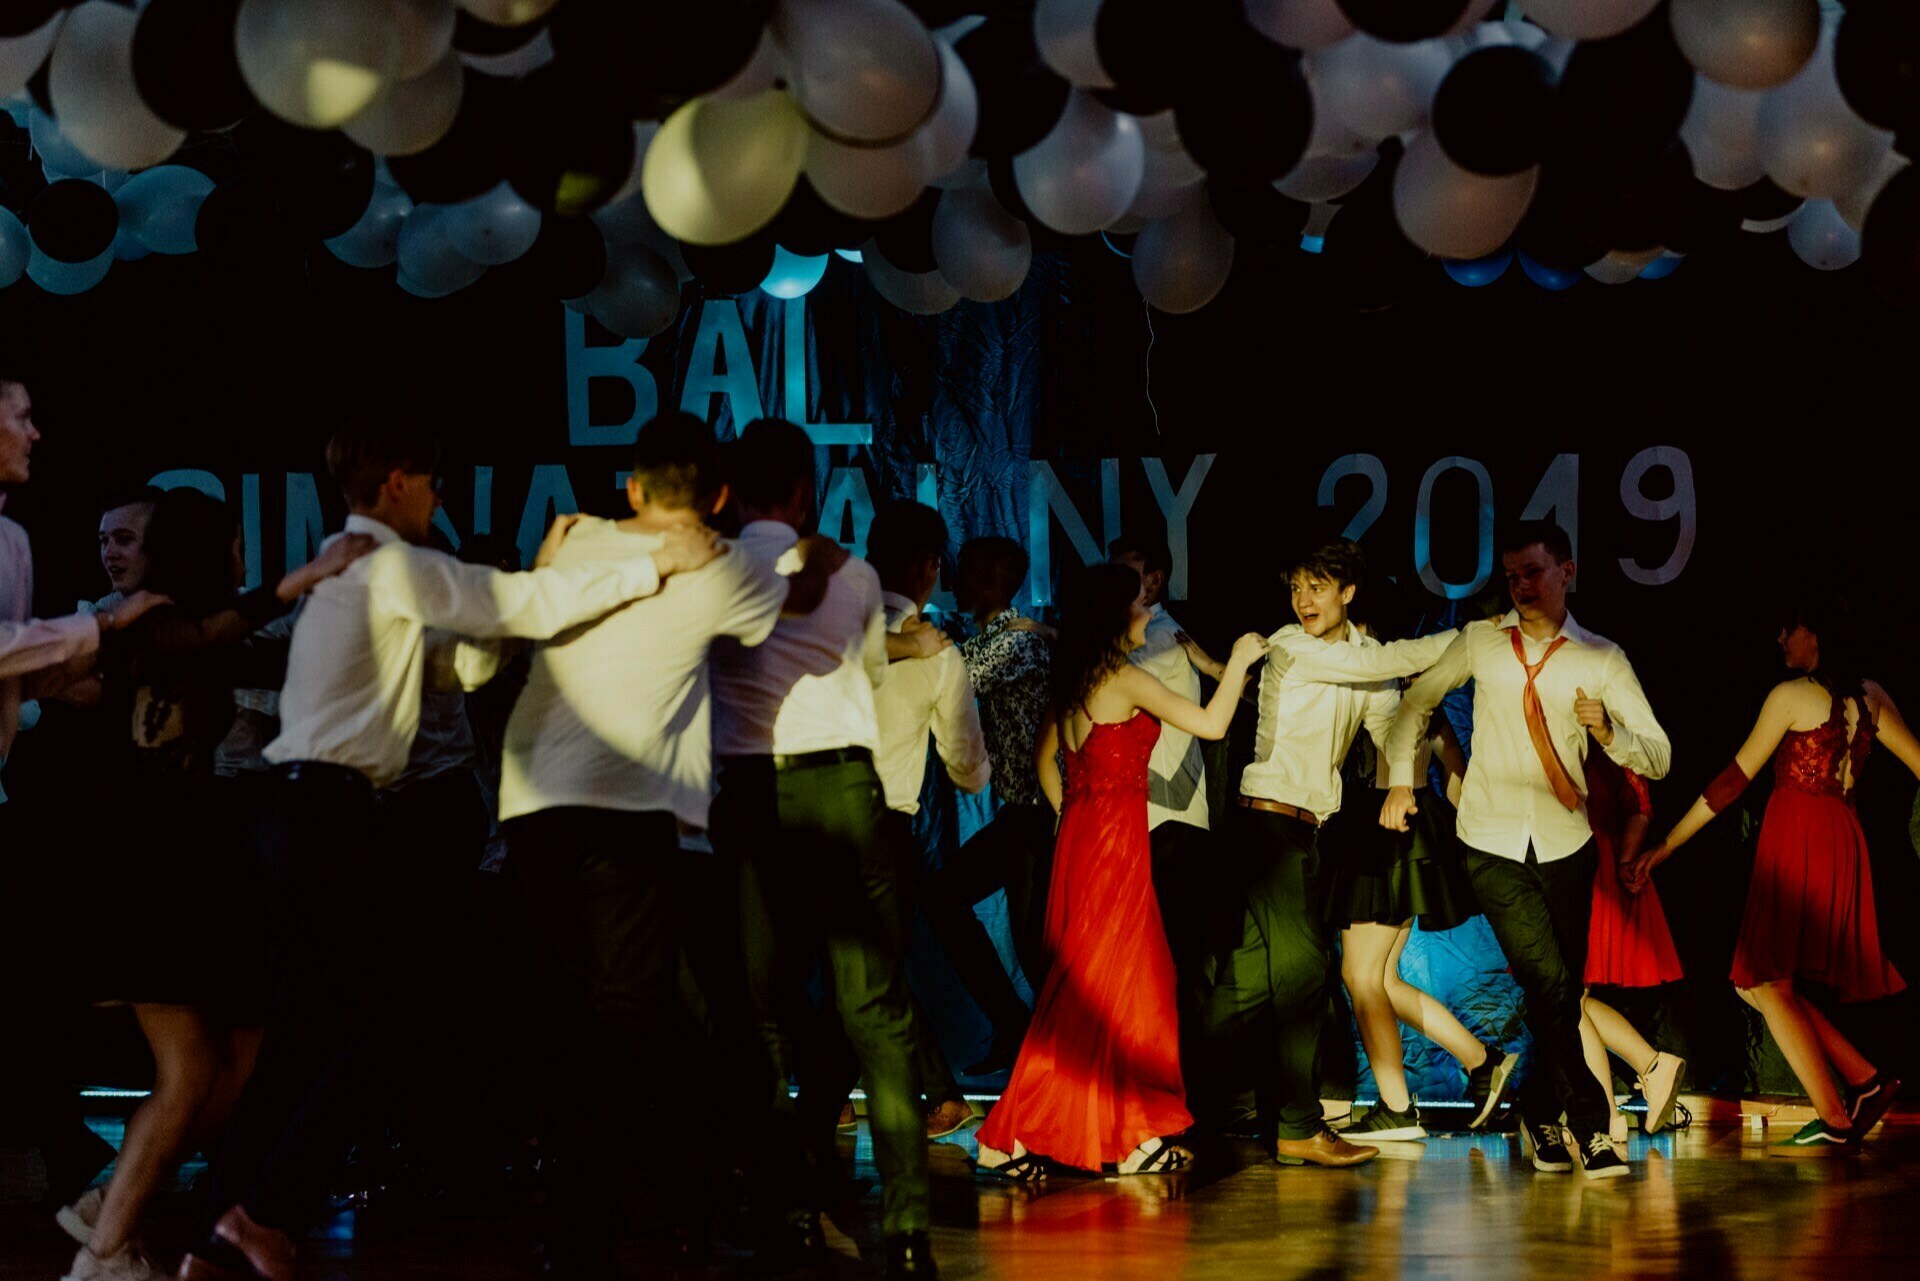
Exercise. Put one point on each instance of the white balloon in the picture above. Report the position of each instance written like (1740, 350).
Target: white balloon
(507, 13)
(982, 250)
(493, 228)
(639, 295)
(1810, 142)
(317, 65)
(1299, 24)
(374, 241)
(719, 171)
(1854, 205)
(922, 293)
(1086, 171)
(1181, 263)
(1470, 21)
(1821, 237)
(1615, 269)
(1525, 34)
(90, 82)
(866, 182)
(21, 56)
(1587, 19)
(943, 141)
(1064, 31)
(1322, 178)
(1170, 180)
(972, 170)
(1766, 226)
(1721, 134)
(1160, 131)
(426, 33)
(1376, 88)
(1319, 218)
(763, 71)
(408, 116)
(531, 56)
(1750, 44)
(428, 258)
(1451, 212)
(57, 153)
(862, 70)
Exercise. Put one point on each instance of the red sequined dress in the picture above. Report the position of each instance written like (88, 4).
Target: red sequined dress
(1628, 942)
(1810, 911)
(1099, 1071)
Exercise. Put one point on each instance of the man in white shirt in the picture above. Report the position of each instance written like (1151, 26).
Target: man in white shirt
(795, 732)
(1543, 686)
(923, 698)
(355, 678)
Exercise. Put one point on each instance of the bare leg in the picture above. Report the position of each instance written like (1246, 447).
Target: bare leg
(1428, 1016)
(1595, 1051)
(1847, 1061)
(184, 1057)
(1618, 1035)
(239, 1050)
(1364, 953)
(1794, 1032)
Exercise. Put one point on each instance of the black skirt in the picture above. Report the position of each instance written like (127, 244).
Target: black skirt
(1382, 877)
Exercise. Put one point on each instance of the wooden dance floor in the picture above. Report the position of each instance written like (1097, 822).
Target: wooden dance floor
(1705, 1203)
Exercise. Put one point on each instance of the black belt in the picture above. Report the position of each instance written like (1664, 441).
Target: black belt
(321, 772)
(832, 756)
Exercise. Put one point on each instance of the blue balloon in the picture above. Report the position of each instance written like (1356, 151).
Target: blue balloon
(159, 207)
(1547, 277)
(1475, 272)
(56, 151)
(851, 255)
(15, 247)
(793, 276)
(127, 247)
(58, 277)
(1662, 267)
(1108, 238)
(374, 241)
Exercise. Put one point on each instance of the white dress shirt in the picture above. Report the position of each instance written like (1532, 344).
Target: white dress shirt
(1177, 771)
(1306, 726)
(357, 664)
(28, 644)
(809, 686)
(1506, 802)
(922, 697)
(617, 714)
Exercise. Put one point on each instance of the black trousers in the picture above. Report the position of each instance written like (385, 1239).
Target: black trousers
(1193, 911)
(822, 892)
(1014, 852)
(618, 906)
(1268, 1005)
(1540, 913)
(937, 1082)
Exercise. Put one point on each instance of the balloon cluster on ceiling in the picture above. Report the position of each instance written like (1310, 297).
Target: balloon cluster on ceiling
(610, 151)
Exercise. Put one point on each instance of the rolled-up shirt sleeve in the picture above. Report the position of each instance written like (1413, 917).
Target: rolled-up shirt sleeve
(1639, 743)
(1446, 673)
(956, 727)
(46, 642)
(476, 600)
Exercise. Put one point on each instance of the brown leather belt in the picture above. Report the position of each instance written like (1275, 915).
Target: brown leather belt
(1281, 807)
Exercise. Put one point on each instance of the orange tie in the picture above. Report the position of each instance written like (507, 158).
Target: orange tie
(1557, 776)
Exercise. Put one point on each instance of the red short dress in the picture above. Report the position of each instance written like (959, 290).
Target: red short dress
(1810, 912)
(1628, 942)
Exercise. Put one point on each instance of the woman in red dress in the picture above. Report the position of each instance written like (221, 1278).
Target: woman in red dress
(1628, 944)
(1097, 1085)
(1810, 913)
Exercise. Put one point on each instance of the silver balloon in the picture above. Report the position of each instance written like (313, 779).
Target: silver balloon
(719, 171)
(1181, 263)
(1613, 271)
(861, 70)
(428, 258)
(507, 13)
(317, 65)
(764, 71)
(1854, 205)
(1450, 212)
(1749, 44)
(21, 56)
(1086, 171)
(639, 296)
(90, 83)
(1064, 31)
(531, 56)
(866, 182)
(374, 241)
(922, 293)
(982, 250)
(972, 170)
(1299, 24)
(1821, 237)
(1376, 88)
(1721, 135)
(1810, 142)
(494, 228)
(1587, 19)
(426, 33)
(944, 141)
(408, 116)
(1170, 180)
(1321, 178)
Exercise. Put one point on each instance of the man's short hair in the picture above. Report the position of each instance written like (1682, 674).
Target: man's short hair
(772, 459)
(360, 457)
(129, 496)
(1153, 553)
(1522, 534)
(902, 536)
(1004, 560)
(677, 461)
(1340, 561)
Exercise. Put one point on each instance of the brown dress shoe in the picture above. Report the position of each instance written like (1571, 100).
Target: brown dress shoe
(949, 1118)
(1324, 1148)
(268, 1250)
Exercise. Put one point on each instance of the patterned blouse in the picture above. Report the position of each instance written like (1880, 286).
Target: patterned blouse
(1009, 668)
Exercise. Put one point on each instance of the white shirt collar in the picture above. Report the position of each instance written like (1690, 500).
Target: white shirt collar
(1568, 628)
(904, 604)
(1157, 610)
(770, 529)
(381, 532)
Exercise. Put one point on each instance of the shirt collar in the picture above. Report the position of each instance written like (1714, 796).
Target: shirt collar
(1158, 610)
(772, 531)
(1568, 628)
(904, 605)
(381, 532)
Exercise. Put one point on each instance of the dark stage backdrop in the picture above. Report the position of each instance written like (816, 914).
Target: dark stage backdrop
(1713, 441)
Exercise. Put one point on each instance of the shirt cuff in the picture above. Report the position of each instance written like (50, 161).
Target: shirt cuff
(642, 577)
(1624, 750)
(1400, 774)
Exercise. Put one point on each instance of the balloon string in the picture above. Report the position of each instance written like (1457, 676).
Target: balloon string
(1147, 309)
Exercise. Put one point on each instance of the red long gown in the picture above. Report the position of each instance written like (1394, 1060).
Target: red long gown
(1099, 1071)
(1628, 942)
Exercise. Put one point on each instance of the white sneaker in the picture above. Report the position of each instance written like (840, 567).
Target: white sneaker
(127, 1265)
(1660, 1083)
(77, 1220)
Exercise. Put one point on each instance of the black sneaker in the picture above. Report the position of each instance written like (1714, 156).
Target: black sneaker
(1599, 1159)
(1486, 1083)
(1868, 1102)
(1546, 1146)
(1382, 1124)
